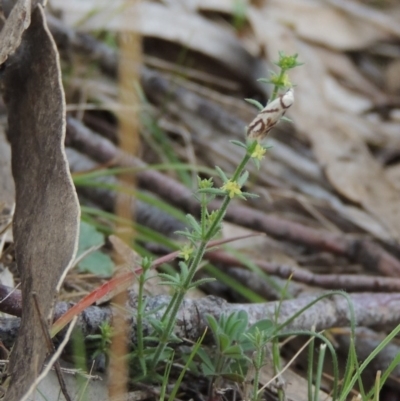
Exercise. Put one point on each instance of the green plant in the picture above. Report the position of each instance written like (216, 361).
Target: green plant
(89, 258)
(189, 360)
(355, 375)
(237, 347)
(199, 234)
(239, 14)
(227, 332)
(102, 340)
(241, 351)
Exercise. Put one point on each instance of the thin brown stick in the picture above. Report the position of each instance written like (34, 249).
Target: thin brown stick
(364, 251)
(129, 58)
(347, 282)
(52, 361)
(51, 348)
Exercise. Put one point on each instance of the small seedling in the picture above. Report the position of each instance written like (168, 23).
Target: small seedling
(237, 348)
(103, 339)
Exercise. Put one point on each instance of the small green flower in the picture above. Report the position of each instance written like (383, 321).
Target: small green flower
(287, 62)
(186, 252)
(232, 187)
(259, 152)
(205, 183)
(212, 216)
(285, 81)
(281, 81)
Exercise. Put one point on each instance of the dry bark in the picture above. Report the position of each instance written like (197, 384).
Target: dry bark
(46, 219)
(371, 310)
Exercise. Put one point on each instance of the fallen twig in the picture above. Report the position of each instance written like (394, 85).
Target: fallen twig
(371, 310)
(364, 251)
(347, 282)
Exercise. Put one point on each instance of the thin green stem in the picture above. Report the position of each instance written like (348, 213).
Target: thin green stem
(176, 303)
(276, 87)
(167, 372)
(243, 163)
(139, 324)
(169, 307)
(371, 356)
(319, 371)
(171, 312)
(220, 215)
(310, 373)
(218, 363)
(260, 355)
(276, 361)
(335, 364)
(193, 353)
(203, 214)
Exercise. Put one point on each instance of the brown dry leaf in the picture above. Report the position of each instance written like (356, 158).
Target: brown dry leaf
(94, 388)
(319, 22)
(393, 173)
(131, 258)
(345, 158)
(295, 385)
(340, 66)
(362, 219)
(15, 25)
(171, 24)
(46, 218)
(344, 99)
(370, 129)
(261, 246)
(392, 77)
(372, 17)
